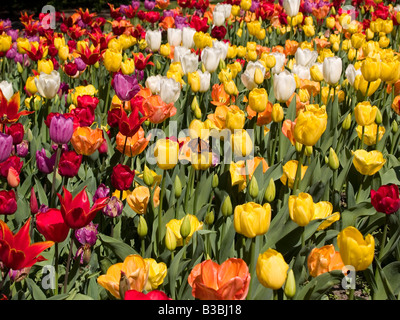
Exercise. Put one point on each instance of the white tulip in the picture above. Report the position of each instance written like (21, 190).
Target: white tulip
(180, 52)
(291, 7)
(224, 8)
(205, 78)
(305, 57)
(284, 86)
(218, 18)
(223, 46)
(332, 69)
(153, 39)
(301, 71)
(351, 73)
(7, 89)
(189, 62)
(153, 83)
(247, 76)
(174, 37)
(210, 58)
(170, 90)
(48, 84)
(280, 62)
(187, 37)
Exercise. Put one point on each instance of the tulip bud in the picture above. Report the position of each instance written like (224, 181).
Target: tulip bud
(308, 151)
(170, 240)
(222, 64)
(290, 285)
(333, 159)
(177, 187)
(378, 117)
(19, 68)
(33, 202)
(158, 65)
(185, 227)
(87, 254)
(194, 104)
(142, 227)
(124, 285)
(394, 126)
(147, 176)
(197, 113)
(298, 146)
(253, 187)
(277, 113)
(347, 122)
(209, 219)
(226, 208)
(215, 181)
(270, 192)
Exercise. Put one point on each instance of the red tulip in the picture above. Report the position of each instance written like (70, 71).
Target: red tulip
(386, 199)
(122, 177)
(16, 130)
(128, 126)
(9, 109)
(8, 202)
(152, 295)
(69, 164)
(33, 204)
(16, 251)
(12, 162)
(51, 225)
(76, 211)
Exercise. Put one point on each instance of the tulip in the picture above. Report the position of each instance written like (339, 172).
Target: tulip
(45, 66)
(48, 84)
(139, 199)
(305, 57)
(371, 69)
(157, 274)
(153, 39)
(6, 146)
(365, 113)
(271, 269)
(170, 90)
(235, 119)
(113, 208)
(310, 125)
(187, 37)
(7, 89)
(76, 211)
(332, 70)
(112, 60)
(86, 141)
(291, 7)
(174, 36)
(242, 143)
(390, 70)
(289, 172)
(189, 63)
(228, 281)
(122, 177)
(354, 249)
(61, 129)
(44, 163)
(210, 58)
(69, 164)
(166, 153)
(386, 199)
(132, 146)
(258, 99)
(324, 259)
(362, 85)
(301, 208)
(175, 226)
(16, 250)
(125, 86)
(368, 163)
(152, 295)
(252, 219)
(8, 202)
(370, 133)
(51, 225)
(351, 73)
(284, 86)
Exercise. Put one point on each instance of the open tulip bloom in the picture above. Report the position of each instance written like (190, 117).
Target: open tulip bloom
(201, 150)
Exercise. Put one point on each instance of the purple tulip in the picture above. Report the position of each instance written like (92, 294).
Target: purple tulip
(113, 208)
(61, 129)
(6, 146)
(80, 64)
(87, 234)
(101, 192)
(45, 164)
(23, 149)
(125, 86)
(149, 5)
(135, 4)
(13, 34)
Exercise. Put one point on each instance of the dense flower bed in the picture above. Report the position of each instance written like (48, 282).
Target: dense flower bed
(212, 151)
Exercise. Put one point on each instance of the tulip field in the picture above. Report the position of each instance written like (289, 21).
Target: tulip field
(201, 150)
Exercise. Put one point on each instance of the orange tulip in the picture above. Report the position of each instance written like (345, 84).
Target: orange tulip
(138, 199)
(288, 130)
(324, 259)
(86, 140)
(219, 96)
(264, 117)
(134, 145)
(228, 281)
(157, 110)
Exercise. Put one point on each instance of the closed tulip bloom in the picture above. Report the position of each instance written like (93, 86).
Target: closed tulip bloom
(218, 18)
(189, 62)
(69, 164)
(305, 57)
(271, 269)
(45, 66)
(43, 162)
(390, 70)
(289, 173)
(187, 37)
(242, 143)
(125, 86)
(386, 199)
(166, 153)
(112, 59)
(284, 86)
(361, 84)
(354, 249)
(251, 219)
(201, 160)
(61, 129)
(122, 177)
(8, 202)
(6, 146)
(368, 163)
(258, 99)
(174, 37)
(332, 69)
(351, 73)
(324, 259)
(132, 146)
(170, 90)
(153, 39)
(228, 281)
(48, 84)
(235, 118)
(51, 225)
(301, 208)
(371, 69)
(7, 89)
(365, 113)
(291, 7)
(210, 58)
(323, 210)
(86, 140)
(310, 125)
(76, 211)
(194, 81)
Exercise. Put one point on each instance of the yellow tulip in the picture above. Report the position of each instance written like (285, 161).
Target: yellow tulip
(271, 269)
(30, 84)
(157, 274)
(138, 199)
(252, 219)
(330, 22)
(201, 160)
(194, 81)
(277, 113)
(301, 208)
(368, 163)
(235, 118)
(289, 173)
(198, 129)
(354, 249)
(166, 152)
(310, 125)
(357, 40)
(323, 210)
(390, 71)
(242, 144)
(370, 133)
(128, 66)
(365, 113)
(165, 50)
(360, 84)
(258, 99)
(5, 42)
(63, 52)
(371, 69)
(175, 226)
(45, 66)
(245, 4)
(112, 60)
(237, 172)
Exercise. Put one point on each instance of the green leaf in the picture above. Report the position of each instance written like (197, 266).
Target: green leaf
(34, 289)
(318, 286)
(121, 249)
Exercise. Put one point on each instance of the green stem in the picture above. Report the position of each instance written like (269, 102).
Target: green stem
(362, 137)
(298, 171)
(162, 192)
(252, 262)
(56, 268)
(351, 294)
(188, 188)
(53, 186)
(68, 264)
